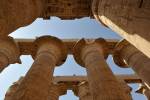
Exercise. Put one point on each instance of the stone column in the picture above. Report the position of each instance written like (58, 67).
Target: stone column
(126, 55)
(35, 86)
(9, 52)
(12, 89)
(123, 16)
(127, 88)
(144, 90)
(57, 90)
(102, 82)
(19, 13)
(84, 91)
(54, 93)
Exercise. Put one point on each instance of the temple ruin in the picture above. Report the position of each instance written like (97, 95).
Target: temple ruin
(129, 18)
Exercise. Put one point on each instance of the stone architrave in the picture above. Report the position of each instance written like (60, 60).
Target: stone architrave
(129, 18)
(35, 85)
(102, 82)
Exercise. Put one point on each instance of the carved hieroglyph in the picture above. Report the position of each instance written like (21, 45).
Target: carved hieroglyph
(129, 18)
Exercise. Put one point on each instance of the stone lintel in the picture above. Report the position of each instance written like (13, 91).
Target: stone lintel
(131, 78)
(27, 47)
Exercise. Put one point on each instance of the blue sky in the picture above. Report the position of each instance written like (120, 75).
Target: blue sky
(79, 28)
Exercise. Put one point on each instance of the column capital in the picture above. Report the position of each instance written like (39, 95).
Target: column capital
(62, 88)
(53, 46)
(83, 47)
(117, 53)
(83, 89)
(9, 52)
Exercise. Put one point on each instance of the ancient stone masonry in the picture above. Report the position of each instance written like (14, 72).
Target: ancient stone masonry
(67, 9)
(126, 88)
(129, 18)
(18, 13)
(79, 84)
(99, 84)
(143, 89)
(126, 55)
(84, 91)
(13, 89)
(50, 52)
(92, 56)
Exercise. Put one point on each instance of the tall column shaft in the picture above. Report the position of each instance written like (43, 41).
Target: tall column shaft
(103, 84)
(101, 79)
(126, 88)
(4, 62)
(18, 13)
(57, 90)
(123, 16)
(131, 56)
(53, 93)
(86, 97)
(35, 85)
(12, 89)
(84, 92)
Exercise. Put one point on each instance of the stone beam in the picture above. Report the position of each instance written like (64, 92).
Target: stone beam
(130, 78)
(67, 9)
(27, 47)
